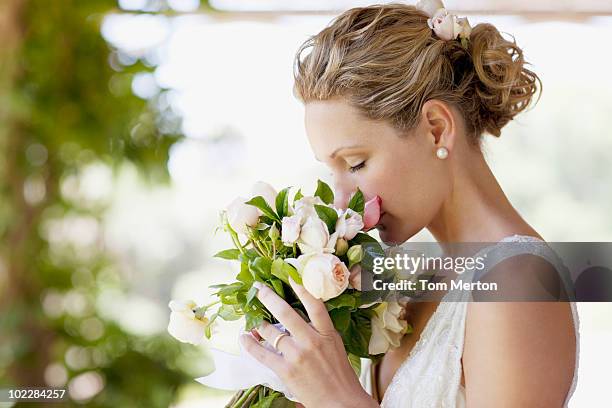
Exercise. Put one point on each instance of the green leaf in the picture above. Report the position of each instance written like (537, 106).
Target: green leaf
(230, 299)
(341, 318)
(357, 202)
(277, 284)
(261, 203)
(266, 220)
(367, 297)
(355, 363)
(282, 203)
(291, 271)
(260, 267)
(363, 238)
(298, 195)
(357, 336)
(328, 215)
(245, 274)
(282, 402)
(265, 402)
(225, 289)
(324, 192)
(231, 254)
(344, 300)
(251, 295)
(248, 255)
(278, 269)
(228, 313)
(253, 319)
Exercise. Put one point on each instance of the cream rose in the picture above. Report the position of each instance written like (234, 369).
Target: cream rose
(387, 327)
(185, 323)
(290, 229)
(265, 190)
(429, 7)
(324, 276)
(304, 207)
(449, 26)
(314, 237)
(349, 223)
(241, 215)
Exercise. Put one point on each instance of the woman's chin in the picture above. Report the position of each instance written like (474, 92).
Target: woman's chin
(392, 236)
(387, 236)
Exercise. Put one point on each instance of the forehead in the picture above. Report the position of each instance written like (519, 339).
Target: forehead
(333, 116)
(333, 123)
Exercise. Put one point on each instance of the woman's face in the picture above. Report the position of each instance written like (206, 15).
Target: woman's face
(403, 170)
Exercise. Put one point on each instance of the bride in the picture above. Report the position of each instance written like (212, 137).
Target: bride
(397, 99)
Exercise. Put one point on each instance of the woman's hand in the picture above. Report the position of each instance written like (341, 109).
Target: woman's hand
(313, 364)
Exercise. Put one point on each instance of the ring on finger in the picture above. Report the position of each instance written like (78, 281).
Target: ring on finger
(278, 338)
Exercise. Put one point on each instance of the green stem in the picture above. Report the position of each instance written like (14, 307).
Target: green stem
(258, 247)
(206, 307)
(245, 395)
(236, 241)
(254, 395)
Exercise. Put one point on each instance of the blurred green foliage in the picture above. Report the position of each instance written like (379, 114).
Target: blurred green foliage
(63, 106)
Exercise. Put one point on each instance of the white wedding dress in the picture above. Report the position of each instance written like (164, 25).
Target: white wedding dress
(431, 375)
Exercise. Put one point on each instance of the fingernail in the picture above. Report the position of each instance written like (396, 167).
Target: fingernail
(256, 334)
(258, 285)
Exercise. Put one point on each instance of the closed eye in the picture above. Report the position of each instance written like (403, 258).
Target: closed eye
(358, 167)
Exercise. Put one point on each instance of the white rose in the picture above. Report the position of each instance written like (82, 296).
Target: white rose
(241, 215)
(314, 236)
(349, 223)
(265, 190)
(184, 324)
(387, 328)
(449, 26)
(290, 229)
(304, 207)
(429, 7)
(443, 25)
(324, 276)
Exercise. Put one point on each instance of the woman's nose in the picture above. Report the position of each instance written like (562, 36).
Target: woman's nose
(342, 195)
(341, 200)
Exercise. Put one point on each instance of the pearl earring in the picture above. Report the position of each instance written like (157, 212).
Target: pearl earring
(442, 153)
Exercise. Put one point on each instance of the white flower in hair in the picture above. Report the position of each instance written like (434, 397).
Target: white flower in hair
(446, 26)
(429, 7)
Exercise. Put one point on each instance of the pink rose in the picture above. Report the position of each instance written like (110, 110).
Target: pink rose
(371, 213)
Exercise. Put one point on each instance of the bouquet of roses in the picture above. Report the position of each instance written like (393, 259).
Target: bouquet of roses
(317, 245)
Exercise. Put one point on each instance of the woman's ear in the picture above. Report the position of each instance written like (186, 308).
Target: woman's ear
(439, 124)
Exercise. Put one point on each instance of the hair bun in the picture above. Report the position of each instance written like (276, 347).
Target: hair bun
(504, 86)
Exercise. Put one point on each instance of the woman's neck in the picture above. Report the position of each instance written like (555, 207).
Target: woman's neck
(476, 210)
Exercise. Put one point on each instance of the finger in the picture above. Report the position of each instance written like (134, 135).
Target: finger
(270, 333)
(266, 357)
(317, 312)
(283, 312)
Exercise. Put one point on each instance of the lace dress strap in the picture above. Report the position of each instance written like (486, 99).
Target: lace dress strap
(524, 245)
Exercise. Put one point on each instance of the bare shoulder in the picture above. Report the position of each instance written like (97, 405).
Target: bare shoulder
(519, 353)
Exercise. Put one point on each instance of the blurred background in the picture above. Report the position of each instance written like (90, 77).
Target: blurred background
(126, 126)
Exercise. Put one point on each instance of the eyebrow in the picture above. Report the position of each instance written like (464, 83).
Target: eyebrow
(335, 152)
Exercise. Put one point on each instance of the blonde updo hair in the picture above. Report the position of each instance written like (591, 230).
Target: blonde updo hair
(386, 61)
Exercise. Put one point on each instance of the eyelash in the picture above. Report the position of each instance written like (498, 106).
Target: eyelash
(358, 167)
